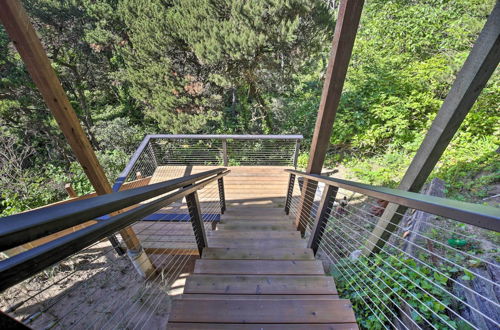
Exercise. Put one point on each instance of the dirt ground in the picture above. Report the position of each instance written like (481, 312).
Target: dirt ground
(98, 289)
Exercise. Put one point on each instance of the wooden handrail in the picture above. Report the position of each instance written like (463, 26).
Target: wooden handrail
(25, 227)
(483, 216)
(20, 267)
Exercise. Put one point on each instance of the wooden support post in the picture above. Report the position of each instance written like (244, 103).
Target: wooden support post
(69, 189)
(224, 152)
(23, 35)
(477, 69)
(325, 207)
(193, 205)
(343, 42)
(289, 194)
(222, 195)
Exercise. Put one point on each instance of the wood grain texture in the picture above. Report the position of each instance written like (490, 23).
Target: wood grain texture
(222, 326)
(284, 267)
(262, 311)
(258, 254)
(256, 243)
(260, 284)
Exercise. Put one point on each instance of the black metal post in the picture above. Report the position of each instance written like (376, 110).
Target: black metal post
(197, 221)
(289, 193)
(325, 206)
(222, 195)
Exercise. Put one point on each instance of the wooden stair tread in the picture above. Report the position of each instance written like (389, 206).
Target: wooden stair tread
(260, 284)
(258, 296)
(255, 243)
(270, 234)
(264, 267)
(258, 254)
(257, 221)
(256, 226)
(223, 326)
(262, 311)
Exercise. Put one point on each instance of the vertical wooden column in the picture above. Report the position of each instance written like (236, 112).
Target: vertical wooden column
(343, 42)
(477, 69)
(23, 35)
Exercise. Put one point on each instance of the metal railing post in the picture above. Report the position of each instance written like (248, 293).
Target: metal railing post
(325, 207)
(296, 153)
(197, 221)
(289, 193)
(224, 152)
(152, 152)
(222, 195)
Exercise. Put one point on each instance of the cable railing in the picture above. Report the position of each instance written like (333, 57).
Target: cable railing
(78, 281)
(435, 268)
(174, 151)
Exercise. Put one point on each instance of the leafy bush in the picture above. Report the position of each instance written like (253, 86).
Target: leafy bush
(386, 284)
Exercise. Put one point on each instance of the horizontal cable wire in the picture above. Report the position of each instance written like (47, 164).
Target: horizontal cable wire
(426, 250)
(402, 287)
(431, 282)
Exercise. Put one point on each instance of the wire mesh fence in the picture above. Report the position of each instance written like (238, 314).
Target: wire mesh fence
(432, 272)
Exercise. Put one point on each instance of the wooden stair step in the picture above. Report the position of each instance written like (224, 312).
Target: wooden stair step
(258, 254)
(256, 267)
(260, 284)
(258, 296)
(258, 219)
(262, 311)
(269, 234)
(256, 226)
(223, 326)
(256, 243)
(252, 211)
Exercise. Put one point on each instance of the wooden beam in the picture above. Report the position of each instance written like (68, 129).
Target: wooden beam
(342, 45)
(475, 73)
(343, 42)
(17, 24)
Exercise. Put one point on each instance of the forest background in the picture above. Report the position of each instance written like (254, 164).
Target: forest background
(133, 67)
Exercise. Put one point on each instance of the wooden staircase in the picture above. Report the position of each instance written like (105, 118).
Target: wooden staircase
(258, 274)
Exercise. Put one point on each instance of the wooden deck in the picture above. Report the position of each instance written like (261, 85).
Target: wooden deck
(258, 274)
(263, 186)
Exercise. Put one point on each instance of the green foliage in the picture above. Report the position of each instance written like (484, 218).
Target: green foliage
(395, 283)
(133, 67)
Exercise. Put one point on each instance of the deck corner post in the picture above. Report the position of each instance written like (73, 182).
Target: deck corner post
(222, 195)
(224, 152)
(296, 153)
(193, 205)
(289, 194)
